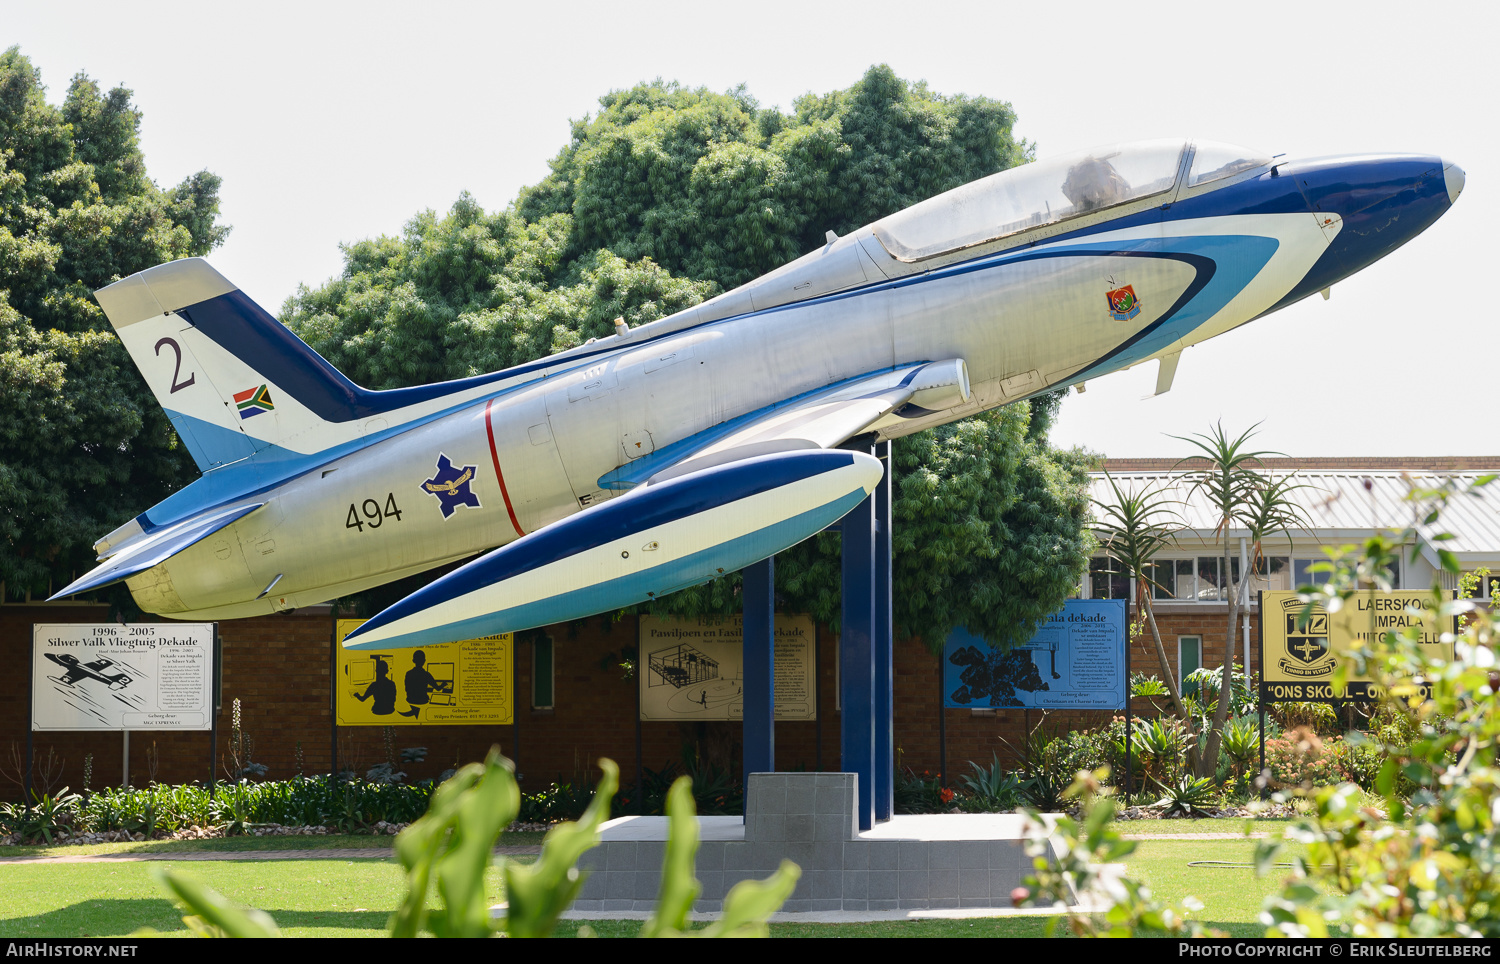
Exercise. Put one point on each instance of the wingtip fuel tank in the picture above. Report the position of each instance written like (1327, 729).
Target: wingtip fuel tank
(657, 539)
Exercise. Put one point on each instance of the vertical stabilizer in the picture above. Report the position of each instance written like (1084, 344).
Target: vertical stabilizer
(226, 372)
(236, 382)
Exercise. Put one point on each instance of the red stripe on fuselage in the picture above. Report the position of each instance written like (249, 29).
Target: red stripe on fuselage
(489, 429)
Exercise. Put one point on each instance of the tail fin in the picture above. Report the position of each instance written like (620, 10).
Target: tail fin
(234, 380)
(225, 371)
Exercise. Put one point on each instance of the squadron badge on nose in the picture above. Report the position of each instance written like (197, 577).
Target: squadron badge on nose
(1123, 304)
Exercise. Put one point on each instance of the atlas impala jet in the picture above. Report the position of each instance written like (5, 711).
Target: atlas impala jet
(664, 455)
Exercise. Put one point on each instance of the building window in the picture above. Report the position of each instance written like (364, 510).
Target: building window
(1211, 587)
(1172, 579)
(1486, 585)
(1305, 576)
(1199, 578)
(1107, 580)
(1189, 659)
(541, 673)
(1272, 573)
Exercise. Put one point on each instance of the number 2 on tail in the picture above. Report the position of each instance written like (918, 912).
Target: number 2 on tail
(177, 386)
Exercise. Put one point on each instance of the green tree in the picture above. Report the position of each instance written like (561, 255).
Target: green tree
(83, 444)
(669, 196)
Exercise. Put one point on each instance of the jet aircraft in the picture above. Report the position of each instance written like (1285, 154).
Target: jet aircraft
(77, 671)
(664, 455)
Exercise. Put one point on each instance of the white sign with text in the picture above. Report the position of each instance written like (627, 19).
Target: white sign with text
(122, 677)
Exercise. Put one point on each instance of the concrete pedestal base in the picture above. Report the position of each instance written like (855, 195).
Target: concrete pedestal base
(927, 862)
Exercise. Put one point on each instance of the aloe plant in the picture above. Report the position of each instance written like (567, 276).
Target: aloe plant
(47, 814)
(1135, 526)
(992, 787)
(1241, 743)
(1239, 494)
(1189, 796)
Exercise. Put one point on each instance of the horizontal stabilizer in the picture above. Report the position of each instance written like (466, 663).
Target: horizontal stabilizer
(156, 548)
(657, 539)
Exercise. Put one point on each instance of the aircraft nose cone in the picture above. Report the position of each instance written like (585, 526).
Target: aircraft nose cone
(1453, 178)
(1378, 201)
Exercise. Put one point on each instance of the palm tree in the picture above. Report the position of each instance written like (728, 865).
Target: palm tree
(1262, 506)
(1134, 527)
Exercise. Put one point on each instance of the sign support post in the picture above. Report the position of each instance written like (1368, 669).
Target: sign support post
(759, 646)
(31, 717)
(857, 654)
(884, 646)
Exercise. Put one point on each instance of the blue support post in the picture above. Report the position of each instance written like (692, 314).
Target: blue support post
(759, 733)
(884, 647)
(857, 655)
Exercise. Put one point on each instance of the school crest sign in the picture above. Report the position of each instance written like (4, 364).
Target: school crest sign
(1304, 647)
(1299, 655)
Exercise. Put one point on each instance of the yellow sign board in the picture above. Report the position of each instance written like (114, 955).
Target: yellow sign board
(453, 684)
(1297, 659)
(694, 669)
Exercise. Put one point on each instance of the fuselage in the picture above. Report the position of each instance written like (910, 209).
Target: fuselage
(1045, 276)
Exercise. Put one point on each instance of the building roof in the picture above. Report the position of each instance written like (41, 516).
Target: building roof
(1343, 501)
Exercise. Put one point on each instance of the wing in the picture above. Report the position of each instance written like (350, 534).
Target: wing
(817, 420)
(708, 505)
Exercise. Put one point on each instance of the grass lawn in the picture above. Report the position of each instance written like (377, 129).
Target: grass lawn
(1233, 825)
(1231, 895)
(308, 898)
(334, 897)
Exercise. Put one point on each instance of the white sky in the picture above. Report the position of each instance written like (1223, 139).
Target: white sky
(331, 123)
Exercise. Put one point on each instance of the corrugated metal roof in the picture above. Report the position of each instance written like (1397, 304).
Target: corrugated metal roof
(1346, 503)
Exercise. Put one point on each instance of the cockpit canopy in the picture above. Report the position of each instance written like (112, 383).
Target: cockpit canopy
(1054, 190)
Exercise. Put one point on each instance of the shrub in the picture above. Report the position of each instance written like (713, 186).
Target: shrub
(991, 789)
(1162, 744)
(1300, 758)
(921, 794)
(1091, 749)
(1316, 717)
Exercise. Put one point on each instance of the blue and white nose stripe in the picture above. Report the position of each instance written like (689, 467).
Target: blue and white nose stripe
(656, 540)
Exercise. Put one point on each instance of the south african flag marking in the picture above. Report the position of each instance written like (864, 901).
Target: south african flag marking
(253, 401)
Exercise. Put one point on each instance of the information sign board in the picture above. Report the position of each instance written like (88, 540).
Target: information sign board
(1075, 661)
(1298, 658)
(137, 676)
(694, 669)
(452, 684)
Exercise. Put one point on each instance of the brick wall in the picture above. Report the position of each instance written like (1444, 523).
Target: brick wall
(277, 666)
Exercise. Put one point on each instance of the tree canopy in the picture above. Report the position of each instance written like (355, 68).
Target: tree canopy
(664, 199)
(669, 196)
(83, 444)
